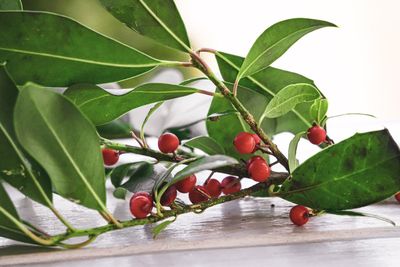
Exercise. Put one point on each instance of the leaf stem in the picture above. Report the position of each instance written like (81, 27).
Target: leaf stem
(246, 115)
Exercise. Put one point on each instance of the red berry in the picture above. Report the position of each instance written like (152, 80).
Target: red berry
(141, 205)
(316, 135)
(186, 185)
(397, 196)
(198, 194)
(257, 139)
(230, 185)
(252, 159)
(168, 143)
(259, 170)
(244, 143)
(299, 215)
(169, 196)
(110, 156)
(213, 186)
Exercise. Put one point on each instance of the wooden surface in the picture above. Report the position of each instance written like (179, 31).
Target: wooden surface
(246, 225)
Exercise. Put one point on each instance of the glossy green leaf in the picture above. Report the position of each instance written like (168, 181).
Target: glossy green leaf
(356, 172)
(54, 132)
(267, 83)
(161, 227)
(115, 129)
(224, 130)
(289, 97)
(361, 214)
(319, 109)
(203, 164)
(275, 41)
(10, 5)
(151, 111)
(156, 19)
(16, 167)
(7, 228)
(206, 144)
(293, 162)
(54, 50)
(102, 107)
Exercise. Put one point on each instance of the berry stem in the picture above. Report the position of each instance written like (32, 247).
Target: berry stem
(246, 115)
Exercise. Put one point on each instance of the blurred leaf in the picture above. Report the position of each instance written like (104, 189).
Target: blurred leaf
(289, 97)
(102, 107)
(120, 193)
(10, 5)
(361, 214)
(53, 131)
(19, 170)
(157, 19)
(356, 172)
(275, 41)
(151, 111)
(206, 144)
(136, 169)
(267, 83)
(161, 227)
(54, 50)
(7, 227)
(319, 109)
(293, 162)
(203, 164)
(192, 80)
(115, 129)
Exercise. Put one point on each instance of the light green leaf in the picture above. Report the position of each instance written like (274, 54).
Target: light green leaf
(206, 144)
(7, 227)
(293, 162)
(161, 227)
(151, 111)
(156, 19)
(275, 41)
(10, 5)
(19, 170)
(102, 107)
(361, 214)
(356, 172)
(289, 97)
(54, 132)
(204, 163)
(319, 109)
(268, 82)
(54, 50)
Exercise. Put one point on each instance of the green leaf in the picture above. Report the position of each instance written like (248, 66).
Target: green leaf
(54, 132)
(133, 170)
(7, 228)
(361, 214)
(10, 5)
(54, 50)
(102, 107)
(120, 193)
(115, 129)
(275, 41)
(319, 109)
(206, 144)
(289, 97)
(293, 162)
(192, 80)
(268, 82)
(19, 170)
(156, 19)
(161, 227)
(204, 163)
(151, 111)
(224, 130)
(356, 172)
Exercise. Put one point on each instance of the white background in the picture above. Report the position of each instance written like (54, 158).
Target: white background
(356, 65)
